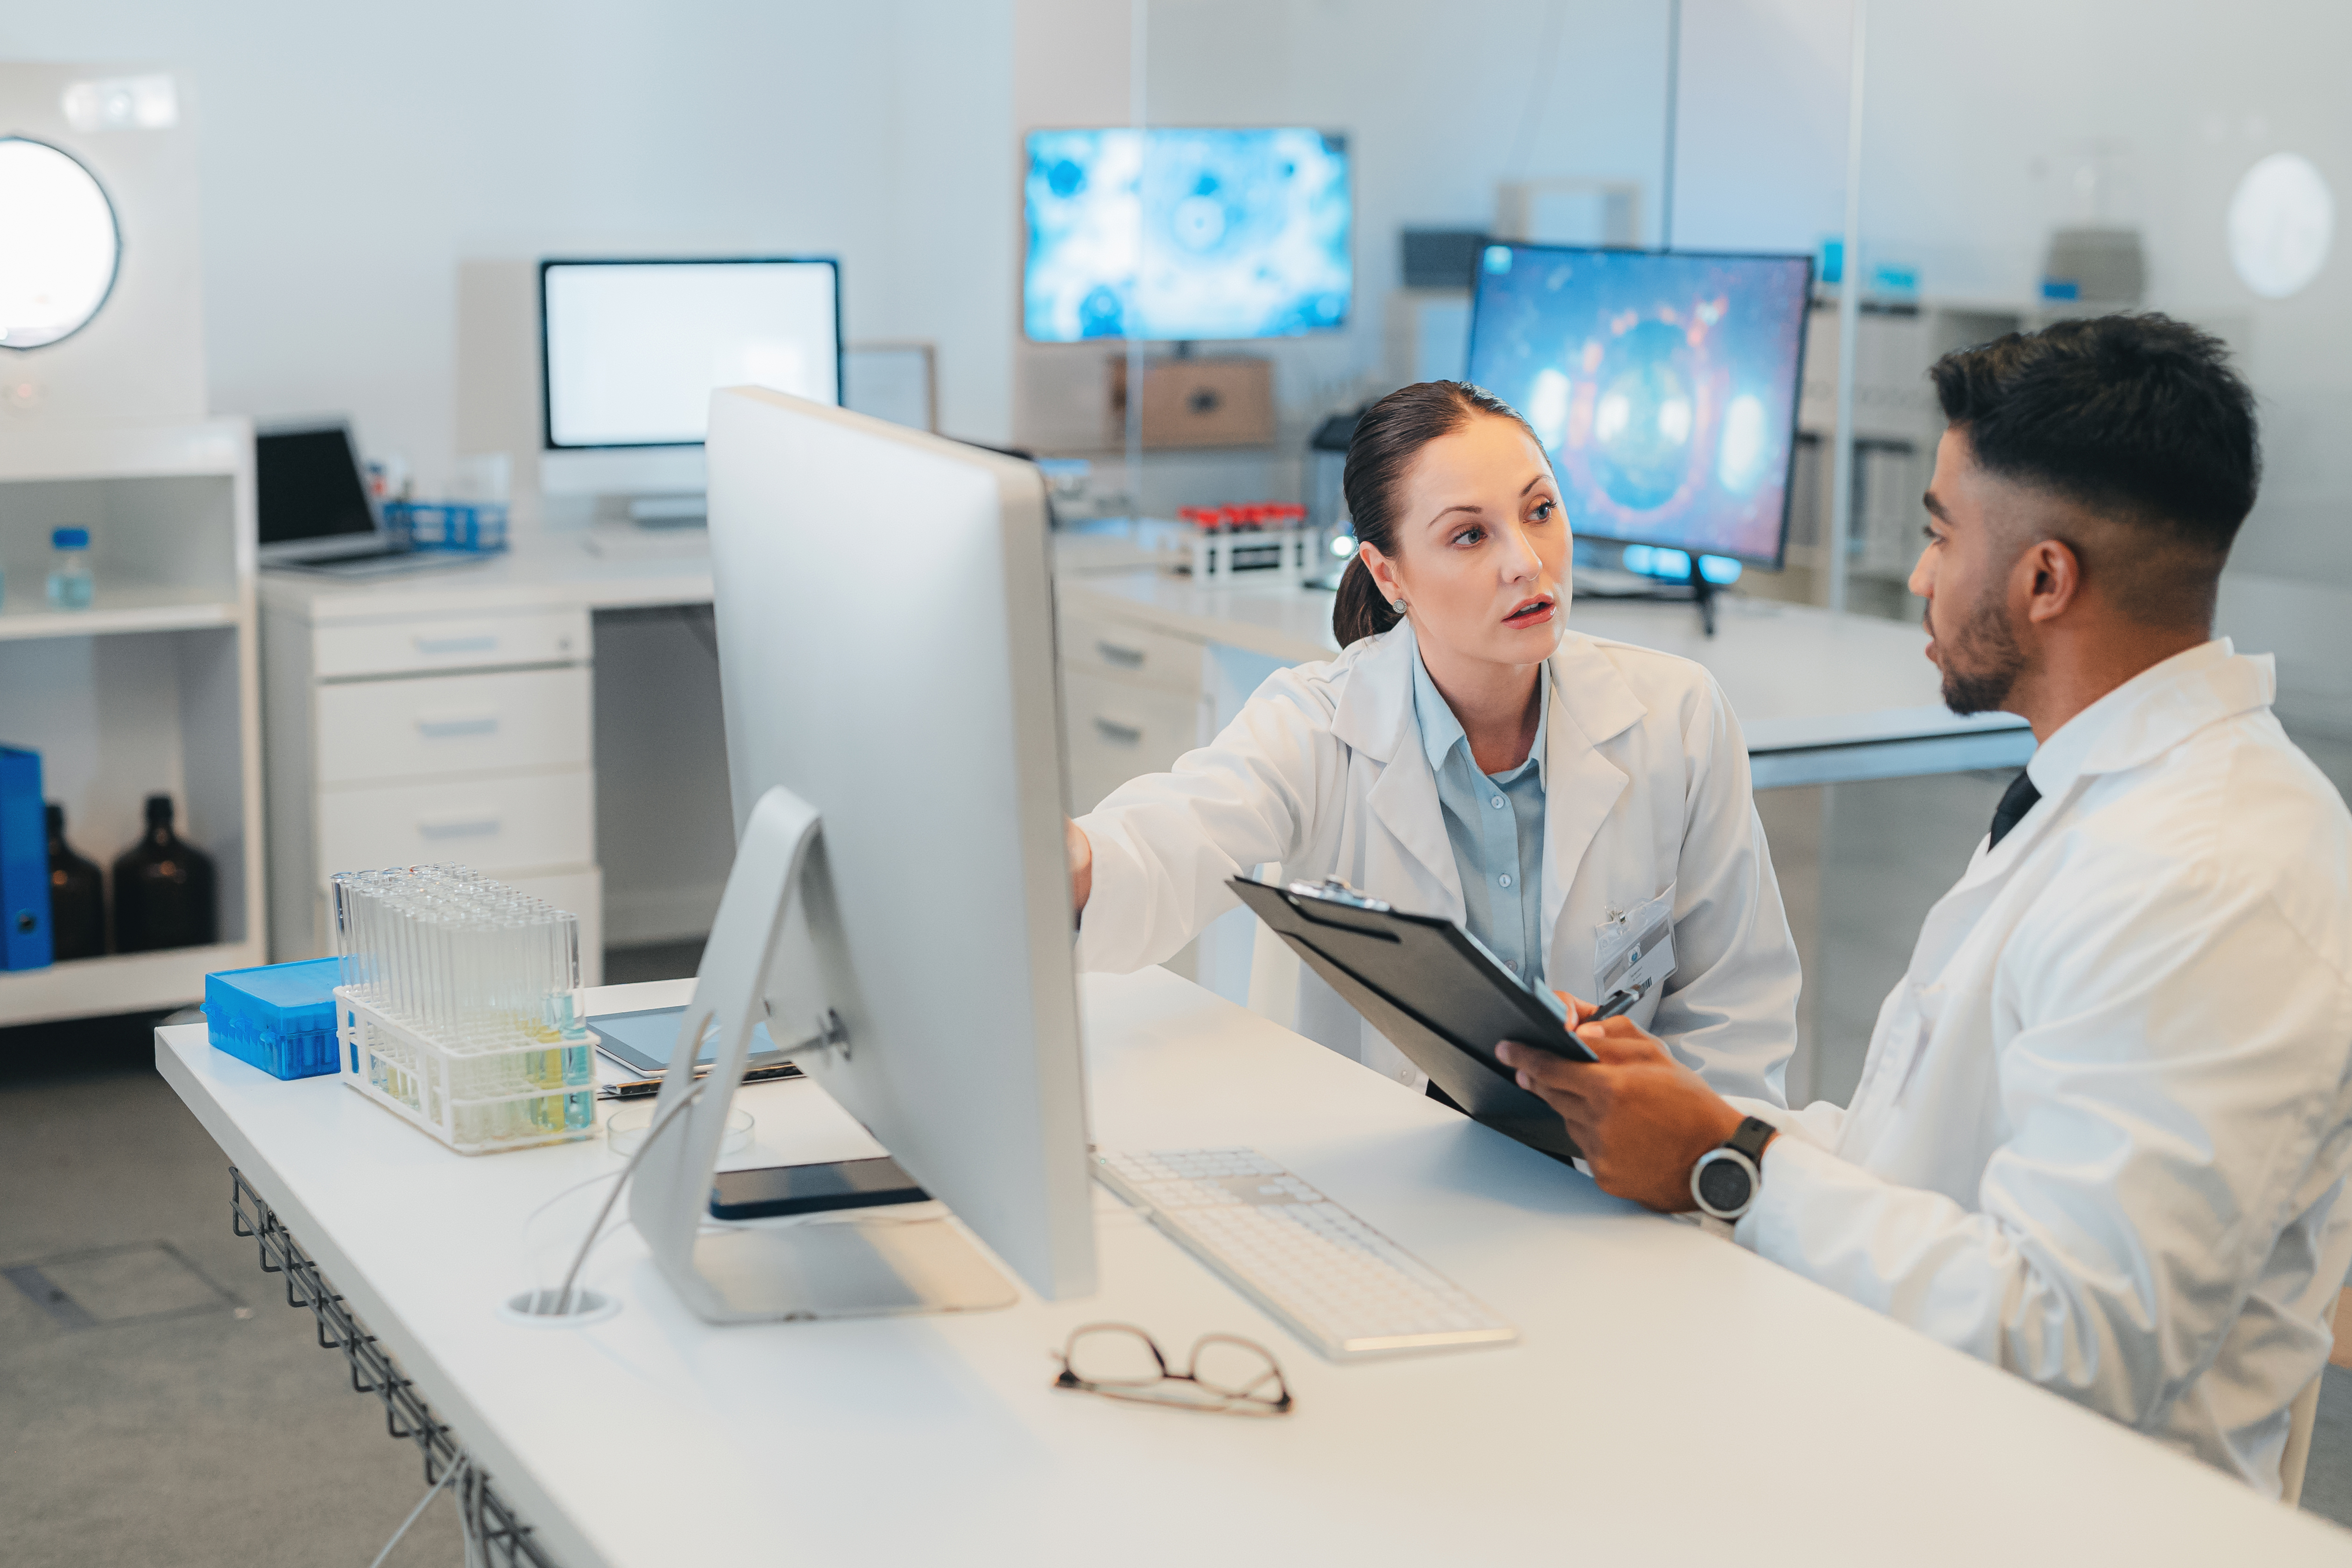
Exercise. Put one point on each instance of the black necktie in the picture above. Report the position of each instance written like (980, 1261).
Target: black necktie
(2013, 809)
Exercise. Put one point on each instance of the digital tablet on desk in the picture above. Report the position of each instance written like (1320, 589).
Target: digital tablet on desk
(1439, 998)
(641, 1042)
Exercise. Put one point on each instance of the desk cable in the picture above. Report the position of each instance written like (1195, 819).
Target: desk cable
(563, 1303)
(457, 1466)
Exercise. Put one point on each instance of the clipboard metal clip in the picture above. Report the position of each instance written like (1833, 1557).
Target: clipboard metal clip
(1334, 890)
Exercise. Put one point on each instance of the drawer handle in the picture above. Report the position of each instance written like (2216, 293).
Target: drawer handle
(1114, 653)
(458, 826)
(1128, 734)
(483, 643)
(472, 724)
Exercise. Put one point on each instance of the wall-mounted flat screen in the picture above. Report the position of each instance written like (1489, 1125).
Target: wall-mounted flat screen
(1664, 385)
(1179, 235)
(631, 350)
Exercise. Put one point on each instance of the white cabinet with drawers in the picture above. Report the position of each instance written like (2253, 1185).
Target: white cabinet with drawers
(1132, 702)
(414, 733)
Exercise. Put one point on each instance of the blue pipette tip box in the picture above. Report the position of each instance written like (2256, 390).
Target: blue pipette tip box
(281, 1016)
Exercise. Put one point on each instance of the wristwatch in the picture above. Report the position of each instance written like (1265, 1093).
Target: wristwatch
(1727, 1176)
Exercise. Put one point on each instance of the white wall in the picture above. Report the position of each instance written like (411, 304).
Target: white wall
(1760, 135)
(1439, 103)
(352, 157)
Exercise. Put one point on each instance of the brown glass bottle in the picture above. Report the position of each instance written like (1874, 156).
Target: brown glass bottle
(77, 896)
(163, 890)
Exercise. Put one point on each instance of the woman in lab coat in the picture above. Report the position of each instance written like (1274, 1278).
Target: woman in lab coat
(1468, 755)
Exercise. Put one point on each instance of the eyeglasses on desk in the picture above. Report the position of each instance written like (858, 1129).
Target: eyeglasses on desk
(1223, 1375)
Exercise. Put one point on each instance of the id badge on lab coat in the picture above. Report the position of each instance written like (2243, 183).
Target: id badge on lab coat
(1635, 949)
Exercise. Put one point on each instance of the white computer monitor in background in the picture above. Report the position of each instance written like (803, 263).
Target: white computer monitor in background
(885, 621)
(631, 350)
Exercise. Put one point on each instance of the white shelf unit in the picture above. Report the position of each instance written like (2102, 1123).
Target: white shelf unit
(154, 690)
(1897, 421)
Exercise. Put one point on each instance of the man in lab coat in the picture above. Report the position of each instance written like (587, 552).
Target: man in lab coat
(2102, 1133)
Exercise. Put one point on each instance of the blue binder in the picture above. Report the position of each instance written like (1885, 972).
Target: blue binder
(24, 863)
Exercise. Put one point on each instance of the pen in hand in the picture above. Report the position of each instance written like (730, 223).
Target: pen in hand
(1618, 1006)
(1623, 1002)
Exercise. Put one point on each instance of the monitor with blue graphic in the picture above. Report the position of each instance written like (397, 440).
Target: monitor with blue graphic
(1178, 234)
(1663, 385)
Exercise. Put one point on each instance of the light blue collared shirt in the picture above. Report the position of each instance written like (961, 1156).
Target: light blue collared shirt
(1496, 824)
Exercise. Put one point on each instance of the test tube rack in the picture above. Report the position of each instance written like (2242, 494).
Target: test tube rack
(461, 1008)
(1270, 538)
(477, 1100)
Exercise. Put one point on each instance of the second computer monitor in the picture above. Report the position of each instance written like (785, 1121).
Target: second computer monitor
(1662, 385)
(1186, 233)
(631, 350)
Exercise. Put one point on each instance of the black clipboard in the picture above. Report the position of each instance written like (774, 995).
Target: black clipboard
(1436, 995)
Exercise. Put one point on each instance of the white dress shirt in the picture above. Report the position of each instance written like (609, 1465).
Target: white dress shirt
(2104, 1123)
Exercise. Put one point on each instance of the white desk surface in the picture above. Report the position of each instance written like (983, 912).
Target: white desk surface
(1798, 677)
(1674, 1400)
(544, 569)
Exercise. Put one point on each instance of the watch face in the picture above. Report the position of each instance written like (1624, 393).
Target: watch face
(1723, 1185)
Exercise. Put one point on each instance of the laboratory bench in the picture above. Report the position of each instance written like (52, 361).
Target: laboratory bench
(1673, 1398)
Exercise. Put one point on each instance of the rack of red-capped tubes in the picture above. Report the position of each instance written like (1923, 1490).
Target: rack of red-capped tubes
(1269, 537)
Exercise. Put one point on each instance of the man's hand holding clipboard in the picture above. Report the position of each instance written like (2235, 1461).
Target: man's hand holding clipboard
(1641, 1118)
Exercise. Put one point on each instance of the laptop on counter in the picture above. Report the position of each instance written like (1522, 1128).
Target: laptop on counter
(315, 511)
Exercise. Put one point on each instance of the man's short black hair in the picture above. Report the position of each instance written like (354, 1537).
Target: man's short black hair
(2139, 417)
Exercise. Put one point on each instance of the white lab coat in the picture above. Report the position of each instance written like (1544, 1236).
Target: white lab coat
(1645, 792)
(2104, 1121)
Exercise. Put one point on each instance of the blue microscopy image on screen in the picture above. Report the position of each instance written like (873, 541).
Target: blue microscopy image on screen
(1184, 234)
(1665, 386)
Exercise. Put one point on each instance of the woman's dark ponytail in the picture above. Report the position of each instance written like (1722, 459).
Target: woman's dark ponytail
(1387, 437)
(1360, 612)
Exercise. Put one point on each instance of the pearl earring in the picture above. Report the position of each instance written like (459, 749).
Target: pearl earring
(1397, 605)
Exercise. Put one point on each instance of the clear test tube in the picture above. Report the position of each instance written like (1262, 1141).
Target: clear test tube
(376, 890)
(569, 1007)
(339, 893)
(473, 967)
(547, 984)
(358, 894)
(518, 1024)
(427, 1002)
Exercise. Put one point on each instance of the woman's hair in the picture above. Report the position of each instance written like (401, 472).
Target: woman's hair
(1387, 437)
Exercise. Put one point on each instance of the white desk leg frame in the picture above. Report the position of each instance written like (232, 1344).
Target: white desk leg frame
(870, 1266)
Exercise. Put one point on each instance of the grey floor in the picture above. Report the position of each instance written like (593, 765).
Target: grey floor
(174, 1410)
(170, 1409)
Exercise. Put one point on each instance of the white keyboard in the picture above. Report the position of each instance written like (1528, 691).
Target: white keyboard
(1332, 1280)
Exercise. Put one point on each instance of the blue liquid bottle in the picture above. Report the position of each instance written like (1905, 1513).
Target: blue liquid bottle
(69, 584)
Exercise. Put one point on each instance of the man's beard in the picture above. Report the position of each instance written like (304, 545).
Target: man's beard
(1981, 660)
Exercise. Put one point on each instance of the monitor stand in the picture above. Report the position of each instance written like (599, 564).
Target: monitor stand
(670, 511)
(877, 1263)
(664, 527)
(1697, 591)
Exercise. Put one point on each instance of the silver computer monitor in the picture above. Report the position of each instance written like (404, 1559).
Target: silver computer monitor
(630, 351)
(885, 621)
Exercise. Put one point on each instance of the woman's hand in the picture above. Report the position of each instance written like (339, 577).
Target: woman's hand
(1082, 864)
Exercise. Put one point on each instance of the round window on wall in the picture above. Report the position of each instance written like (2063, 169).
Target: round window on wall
(2281, 222)
(58, 244)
